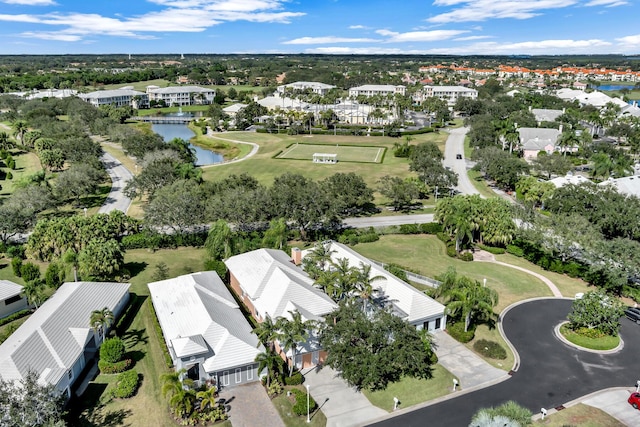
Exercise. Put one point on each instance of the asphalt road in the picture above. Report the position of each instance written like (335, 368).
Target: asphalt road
(116, 200)
(550, 374)
(454, 146)
(385, 221)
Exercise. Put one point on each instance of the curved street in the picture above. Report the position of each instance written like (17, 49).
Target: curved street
(120, 176)
(550, 373)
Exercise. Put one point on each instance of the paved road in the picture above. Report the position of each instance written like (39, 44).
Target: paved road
(119, 178)
(550, 373)
(455, 146)
(385, 221)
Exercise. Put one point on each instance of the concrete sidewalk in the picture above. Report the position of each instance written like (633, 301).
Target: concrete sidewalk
(471, 370)
(343, 406)
(614, 402)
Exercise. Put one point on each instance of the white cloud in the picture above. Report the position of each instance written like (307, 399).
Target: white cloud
(328, 39)
(470, 38)
(31, 2)
(358, 27)
(633, 41)
(176, 16)
(481, 10)
(607, 3)
(419, 36)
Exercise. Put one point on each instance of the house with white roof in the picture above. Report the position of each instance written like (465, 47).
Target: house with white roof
(181, 95)
(12, 299)
(534, 140)
(406, 301)
(546, 114)
(372, 90)
(628, 185)
(450, 94)
(314, 87)
(569, 179)
(271, 285)
(205, 331)
(117, 97)
(57, 341)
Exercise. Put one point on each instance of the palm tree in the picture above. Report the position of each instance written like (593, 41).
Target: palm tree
(207, 397)
(34, 292)
(270, 361)
(344, 279)
(473, 301)
(267, 332)
(568, 139)
(321, 255)
(100, 320)
(291, 333)
(183, 402)
(5, 143)
(19, 129)
(171, 382)
(602, 165)
(363, 285)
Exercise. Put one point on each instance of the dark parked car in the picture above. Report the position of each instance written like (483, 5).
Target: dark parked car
(459, 156)
(633, 314)
(634, 400)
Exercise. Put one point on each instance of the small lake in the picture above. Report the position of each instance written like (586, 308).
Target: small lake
(203, 156)
(613, 87)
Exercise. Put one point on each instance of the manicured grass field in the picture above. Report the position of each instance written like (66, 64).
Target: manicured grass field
(345, 153)
(411, 391)
(26, 164)
(580, 415)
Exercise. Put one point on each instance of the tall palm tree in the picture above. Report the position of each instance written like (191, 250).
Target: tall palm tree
(171, 382)
(292, 332)
(33, 290)
(363, 285)
(100, 320)
(270, 361)
(345, 276)
(19, 129)
(267, 332)
(208, 397)
(5, 143)
(321, 255)
(473, 301)
(183, 402)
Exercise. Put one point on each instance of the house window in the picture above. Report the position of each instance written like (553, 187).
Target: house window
(238, 375)
(70, 374)
(438, 323)
(225, 378)
(13, 299)
(250, 373)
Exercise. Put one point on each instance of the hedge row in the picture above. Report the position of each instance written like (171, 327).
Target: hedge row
(151, 240)
(15, 316)
(492, 249)
(456, 330)
(114, 368)
(156, 325)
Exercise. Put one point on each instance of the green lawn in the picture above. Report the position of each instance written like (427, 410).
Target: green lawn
(480, 184)
(603, 343)
(167, 110)
(411, 391)
(580, 415)
(265, 168)
(139, 86)
(147, 407)
(344, 153)
(229, 150)
(284, 406)
(26, 164)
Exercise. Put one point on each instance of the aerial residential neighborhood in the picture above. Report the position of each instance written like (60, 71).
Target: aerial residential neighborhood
(327, 214)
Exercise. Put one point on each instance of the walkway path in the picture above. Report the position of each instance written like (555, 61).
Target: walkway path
(249, 406)
(484, 256)
(252, 153)
(343, 406)
(120, 176)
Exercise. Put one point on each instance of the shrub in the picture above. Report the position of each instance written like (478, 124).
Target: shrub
(3, 247)
(300, 407)
(9, 175)
(217, 266)
(114, 368)
(431, 228)
(451, 251)
(515, 250)
(294, 379)
(409, 229)
(275, 388)
(443, 237)
(15, 316)
(112, 350)
(590, 333)
(16, 251)
(456, 331)
(490, 349)
(397, 271)
(16, 266)
(126, 384)
(54, 276)
(467, 256)
(368, 237)
(156, 325)
(29, 272)
(492, 249)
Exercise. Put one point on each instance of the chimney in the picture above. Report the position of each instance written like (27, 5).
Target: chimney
(296, 256)
(560, 130)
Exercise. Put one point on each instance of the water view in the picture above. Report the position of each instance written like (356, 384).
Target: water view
(170, 131)
(613, 87)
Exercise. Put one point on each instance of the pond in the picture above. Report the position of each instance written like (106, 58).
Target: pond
(613, 87)
(170, 131)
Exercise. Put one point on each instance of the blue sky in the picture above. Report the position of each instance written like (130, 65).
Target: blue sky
(320, 26)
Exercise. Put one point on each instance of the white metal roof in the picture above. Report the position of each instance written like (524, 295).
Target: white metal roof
(275, 285)
(629, 185)
(101, 94)
(179, 89)
(561, 181)
(51, 340)
(198, 315)
(404, 297)
(9, 289)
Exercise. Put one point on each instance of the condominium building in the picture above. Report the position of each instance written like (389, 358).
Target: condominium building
(373, 90)
(181, 95)
(117, 98)
(315, 87)
(447, 93)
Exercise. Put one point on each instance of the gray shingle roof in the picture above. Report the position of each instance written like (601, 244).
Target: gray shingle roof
(48, 342)
(538, 138)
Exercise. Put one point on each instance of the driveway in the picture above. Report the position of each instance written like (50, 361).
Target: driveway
(453, 147)
(341, 404)
(550, 373)
(249, 406)
(120, 176)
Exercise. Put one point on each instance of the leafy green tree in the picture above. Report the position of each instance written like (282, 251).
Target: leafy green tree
(29, 272)
(52, 159)
(101, 258)
(29, 403)
(401, 192)
(78, 181)
(221, 241)
(54, 276)
(276, 235)
(426, 160)
(597, 310)
(553, 164)
(178, 206)
(348, 193)
(360, 347)
(161, 272)
(34, 291)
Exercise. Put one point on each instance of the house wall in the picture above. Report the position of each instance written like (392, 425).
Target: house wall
(237, 289)
(431, 323)
(236, 376)
(10, 308)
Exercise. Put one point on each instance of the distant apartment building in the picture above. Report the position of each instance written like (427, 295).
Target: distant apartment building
(125, 96)
(177, 96)
(315, 87)
(450, 94)
(373, 90)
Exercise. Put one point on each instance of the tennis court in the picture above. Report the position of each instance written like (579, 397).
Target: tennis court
(345, 153)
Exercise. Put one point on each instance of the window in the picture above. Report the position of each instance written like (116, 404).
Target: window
(225, 378)
(70, 374)
(438, 323)
(250, 373)
(238, 375)
(13, 299)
